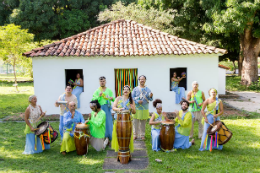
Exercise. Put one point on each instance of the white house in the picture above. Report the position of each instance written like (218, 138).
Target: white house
(121, 47)
(222, 79)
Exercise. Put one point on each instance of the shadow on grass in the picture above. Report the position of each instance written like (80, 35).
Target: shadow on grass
(12, 144)
(240, 154)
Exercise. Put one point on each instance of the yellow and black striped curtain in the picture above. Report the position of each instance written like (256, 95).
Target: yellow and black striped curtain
(125, 77)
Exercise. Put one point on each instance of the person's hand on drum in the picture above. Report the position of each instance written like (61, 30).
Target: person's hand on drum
(120, 109)
(140, 101)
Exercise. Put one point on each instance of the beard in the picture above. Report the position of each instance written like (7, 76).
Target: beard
(184, 109)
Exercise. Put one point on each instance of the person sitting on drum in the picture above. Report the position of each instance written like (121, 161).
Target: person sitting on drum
(214, 110)
(70, 121)
(123, 103)
(157, 118)
(183, 124)
(97, 126)
(32, 115)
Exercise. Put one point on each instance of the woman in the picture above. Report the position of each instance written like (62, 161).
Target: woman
(32, 114)
(124, 102)
(179, 91)
(157, 118)
(214, 110)
(78, 88)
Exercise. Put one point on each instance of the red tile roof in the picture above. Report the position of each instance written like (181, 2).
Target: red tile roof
(122, 38)
(222, 66)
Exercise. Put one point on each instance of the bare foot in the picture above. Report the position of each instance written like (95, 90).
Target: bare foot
(193, 142)
(63, 153)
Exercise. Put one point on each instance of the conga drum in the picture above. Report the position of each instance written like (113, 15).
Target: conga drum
(167, 136)
(124, 132)
(224, 134)
(81, 138)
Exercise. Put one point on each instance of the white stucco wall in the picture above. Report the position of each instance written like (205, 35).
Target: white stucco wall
(222, 81)
(49, 76)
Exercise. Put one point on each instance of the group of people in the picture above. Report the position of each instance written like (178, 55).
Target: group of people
(100, 121)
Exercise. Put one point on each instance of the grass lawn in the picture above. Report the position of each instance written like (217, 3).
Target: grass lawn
(233, 84)
(240, 154)
(12, 142)
(11, 102)
(10, 77)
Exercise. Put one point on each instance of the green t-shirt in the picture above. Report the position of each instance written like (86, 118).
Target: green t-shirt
(103, 99)
(194, 106)
(97, 124)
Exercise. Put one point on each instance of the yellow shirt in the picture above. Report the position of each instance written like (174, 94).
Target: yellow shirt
(185, 125)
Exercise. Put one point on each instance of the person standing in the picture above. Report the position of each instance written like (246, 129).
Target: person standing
(104, 96)
(196, 98)
(141, 95)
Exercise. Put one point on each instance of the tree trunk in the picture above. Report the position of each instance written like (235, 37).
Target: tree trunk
(250, 50)
(15, 80)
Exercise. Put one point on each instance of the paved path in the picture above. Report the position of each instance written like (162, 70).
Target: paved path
(248, 101)
(139, 159)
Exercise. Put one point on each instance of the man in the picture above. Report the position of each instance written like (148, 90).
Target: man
(196, 98)
(141, 95)
(183, 124)
(70, 120)
(104, 96)
(97, 126)
(69, 97)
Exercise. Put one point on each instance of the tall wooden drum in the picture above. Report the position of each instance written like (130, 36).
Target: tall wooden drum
(81, 138)
(124, 132)
(167, 136)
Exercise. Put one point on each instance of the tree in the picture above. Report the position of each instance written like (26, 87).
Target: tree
(48, 19)
(13, 42)
(161, 20)
(6, 8)
(241, 17)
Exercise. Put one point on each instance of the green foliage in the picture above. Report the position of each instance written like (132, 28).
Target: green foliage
(233, 83)
(13, 42)
(72, 22)
(6, 8)
(161, 20)
(229, 64)
(48, 19)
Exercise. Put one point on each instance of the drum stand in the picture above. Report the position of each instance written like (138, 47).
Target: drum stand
(123, 156)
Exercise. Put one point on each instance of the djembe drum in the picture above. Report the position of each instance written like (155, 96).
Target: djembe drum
(223, 133)
(81, 138)
(124, 132)
(167, 136)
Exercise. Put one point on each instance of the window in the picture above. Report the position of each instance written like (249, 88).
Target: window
(179, 71)
(125, 77)
(71, 74)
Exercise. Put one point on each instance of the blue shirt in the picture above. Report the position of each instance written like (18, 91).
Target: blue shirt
(70, 123)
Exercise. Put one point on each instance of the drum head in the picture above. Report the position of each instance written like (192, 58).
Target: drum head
(167, 123)
(212, 129)
(42, 128)
(82, 126)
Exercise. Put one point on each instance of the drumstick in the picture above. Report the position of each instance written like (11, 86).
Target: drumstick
(40, 117)
(210, 124)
